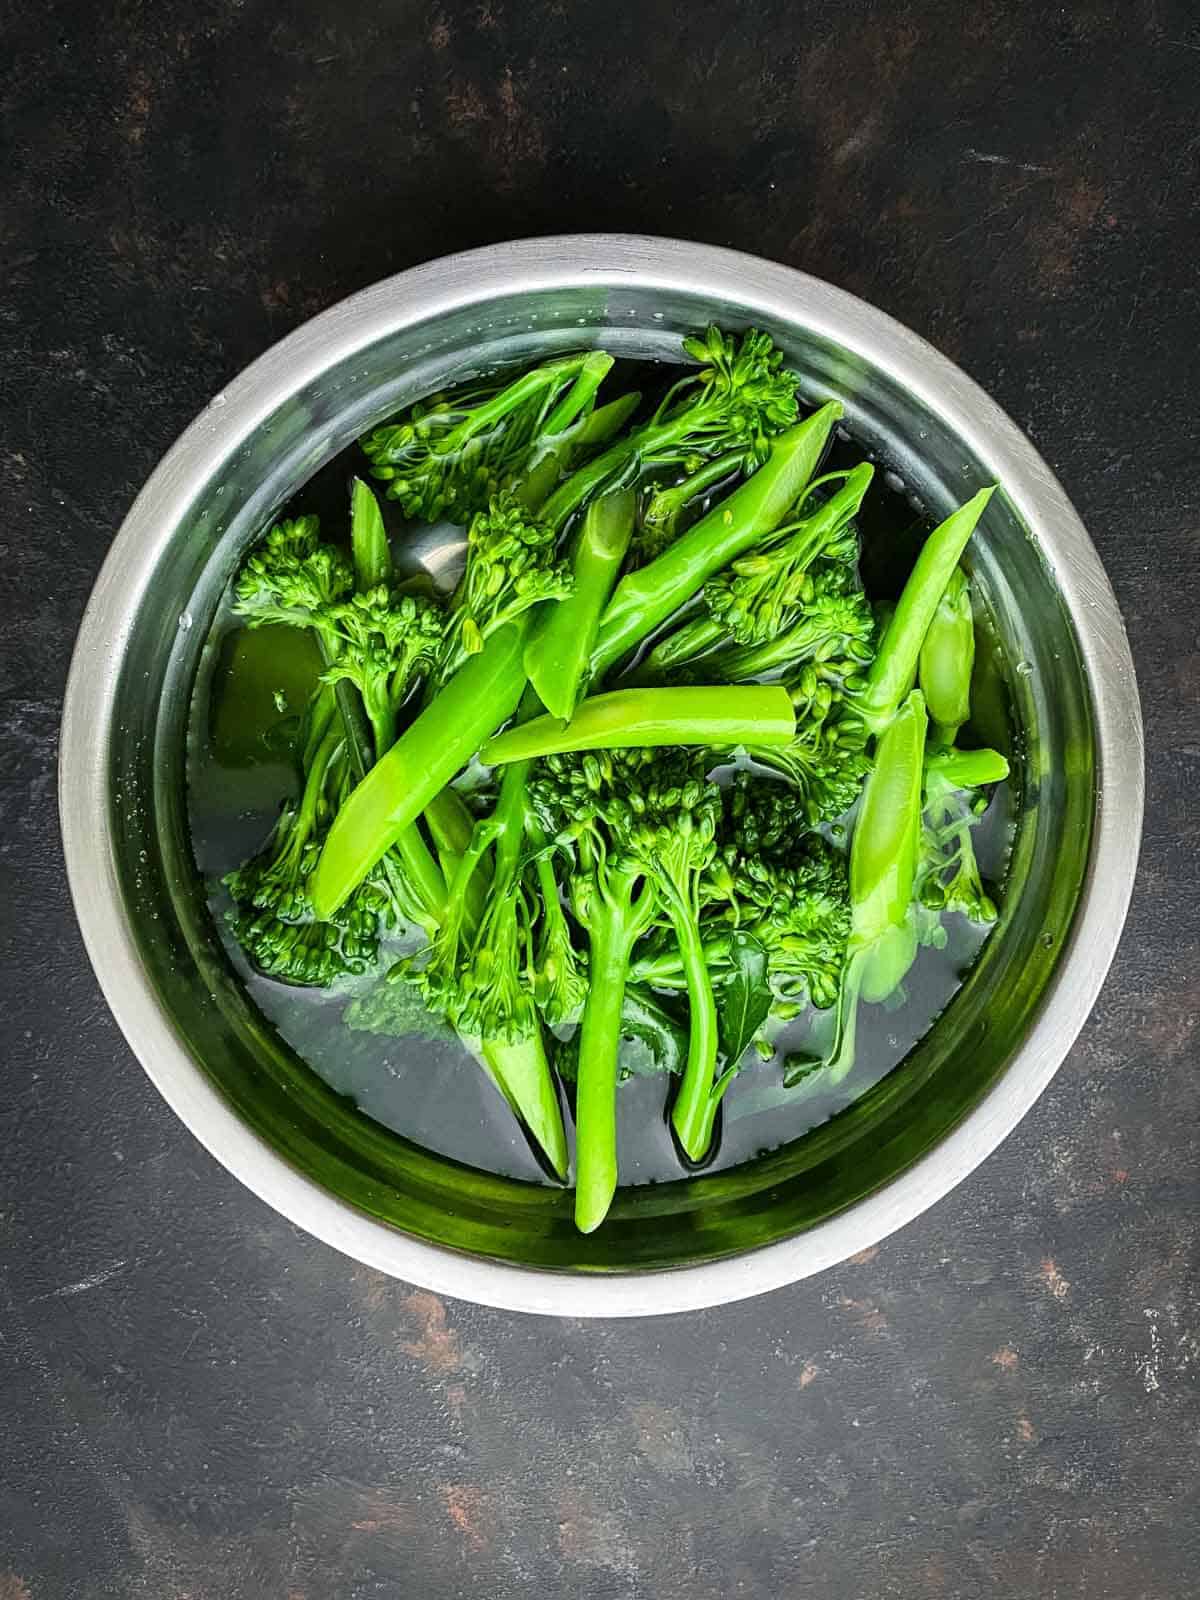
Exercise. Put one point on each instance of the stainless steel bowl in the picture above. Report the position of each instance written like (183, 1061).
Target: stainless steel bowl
(348, 1180)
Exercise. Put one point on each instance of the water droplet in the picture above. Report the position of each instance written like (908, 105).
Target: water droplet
(894, 482)
(217, 401)
(185, 620)
(1025, 668)
(1048, 940)
(658, 316)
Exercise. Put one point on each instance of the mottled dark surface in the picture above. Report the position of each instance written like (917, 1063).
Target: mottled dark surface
(200, 1403)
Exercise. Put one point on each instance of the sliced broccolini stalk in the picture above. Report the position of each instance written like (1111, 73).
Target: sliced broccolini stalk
(894, 670)
(884, 850)
(947, 659)
(560, 644)
(646, 598)
(481, 695)
(722, 717)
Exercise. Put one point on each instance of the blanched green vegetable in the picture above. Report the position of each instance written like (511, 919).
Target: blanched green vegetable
(947, 658)
(883, 866)
(895, 669)
(560, 647)
(647, 597)
(727, 715)
(437, 745)
(451, 454)
(622, 864)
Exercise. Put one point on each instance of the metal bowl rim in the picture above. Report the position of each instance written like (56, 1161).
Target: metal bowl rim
(476, 276)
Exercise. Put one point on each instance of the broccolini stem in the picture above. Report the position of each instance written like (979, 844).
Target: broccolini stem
(599, 427)
(314, 783)
(947, 660)
(842, 1051)
(480, 696)
(484, 417)
(422, 871)
(368, 539)
(383, 727)
(685, 644)
(522, 1073)
(894, 669)
(451, 826)
(647, 597)
(616, 920)
(596, 1088)
(672, 498)
(695, 1110)
(321, 711)
(723, 716)
(610, 466)
(560, 643)
(582, 392)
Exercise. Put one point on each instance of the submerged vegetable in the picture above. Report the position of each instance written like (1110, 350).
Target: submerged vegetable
(556, 657)
(895, 667)
(713, 717)
(661, 851)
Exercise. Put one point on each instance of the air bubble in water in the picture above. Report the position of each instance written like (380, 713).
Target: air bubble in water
(185, 620)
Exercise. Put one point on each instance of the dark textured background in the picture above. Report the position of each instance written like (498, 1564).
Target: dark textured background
(200, 1403)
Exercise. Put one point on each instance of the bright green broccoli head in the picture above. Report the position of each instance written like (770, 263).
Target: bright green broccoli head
(746, 381)
(292, 578)
(784, 886)
(826, 762)
(284, 941)
(833, 627)
(450, 454)
(511, 566)
(800, 914)
(384, 642)
(275, 881)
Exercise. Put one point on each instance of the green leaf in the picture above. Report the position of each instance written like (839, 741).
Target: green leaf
(744, 998)
(652, 1040)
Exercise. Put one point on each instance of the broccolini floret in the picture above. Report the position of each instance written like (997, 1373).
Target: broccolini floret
(450, 455)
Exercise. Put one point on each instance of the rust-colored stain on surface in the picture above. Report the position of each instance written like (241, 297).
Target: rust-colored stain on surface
(437, 1345)
(868, 1315)
(1052, 1280)
(467, 1507)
